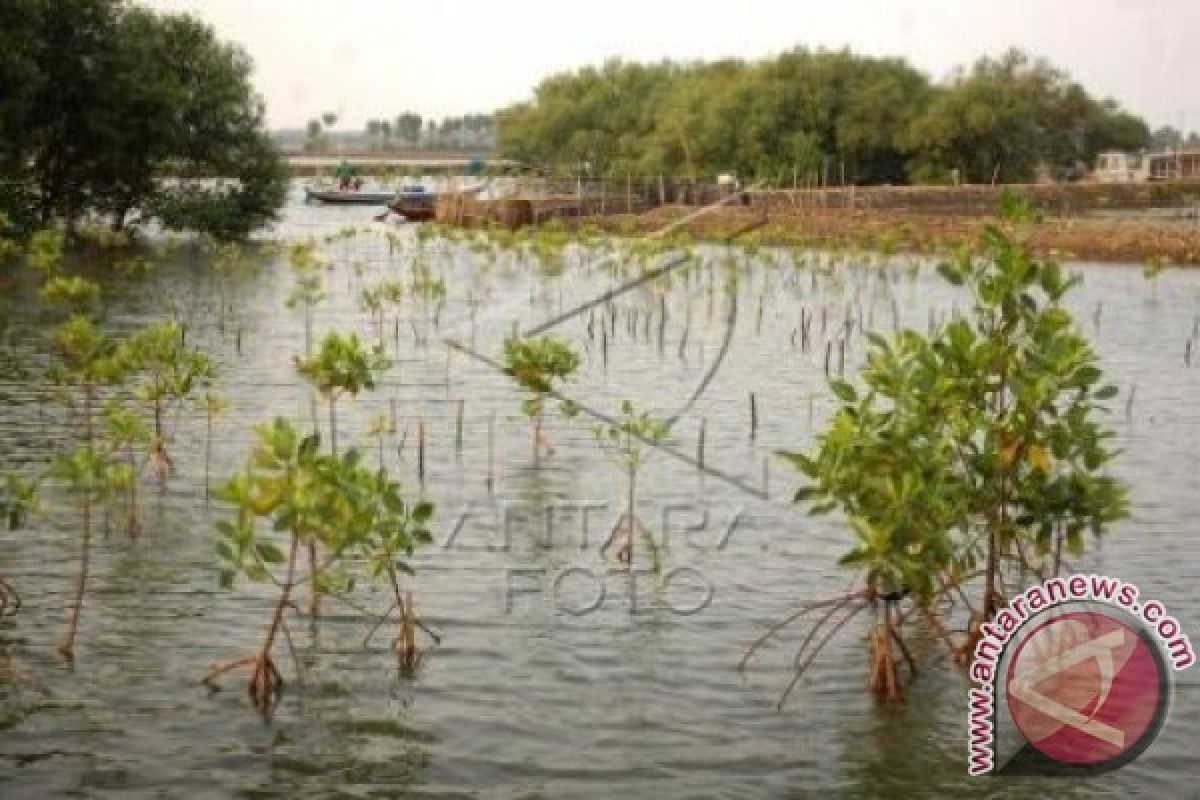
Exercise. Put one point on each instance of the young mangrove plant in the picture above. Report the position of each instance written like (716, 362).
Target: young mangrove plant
(626, 442)
(168, 373)
(18, 501)
(86, 473)
(377, 299)
(289, 494)
(340, 366)
(126, 435)
(539, 365)
(213, 405)
(966, 461)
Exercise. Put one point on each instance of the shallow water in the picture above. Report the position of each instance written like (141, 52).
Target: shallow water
(526, 697)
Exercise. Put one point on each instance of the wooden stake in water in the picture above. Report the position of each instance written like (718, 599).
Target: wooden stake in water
(753, 415)
(491, 452)
(604, 344)
(421, 451)
(700, 443)
(458, 427)
(828, 354)
(842, 357)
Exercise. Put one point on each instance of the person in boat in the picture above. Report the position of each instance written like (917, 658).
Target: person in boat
(344, 174)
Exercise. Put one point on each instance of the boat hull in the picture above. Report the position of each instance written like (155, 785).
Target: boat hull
(351, 198)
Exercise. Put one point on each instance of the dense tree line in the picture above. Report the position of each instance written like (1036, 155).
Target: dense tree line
(817, 116)
(114, 110)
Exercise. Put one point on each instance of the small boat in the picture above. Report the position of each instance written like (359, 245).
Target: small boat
(348, 196)
(418, 204)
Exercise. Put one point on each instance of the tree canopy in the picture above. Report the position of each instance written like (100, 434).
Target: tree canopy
(818, 116)
(136, 115)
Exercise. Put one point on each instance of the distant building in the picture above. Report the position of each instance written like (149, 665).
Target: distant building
(1171, 165)
(1117, 167)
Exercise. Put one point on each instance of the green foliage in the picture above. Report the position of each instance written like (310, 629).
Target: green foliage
(633, 432)
(105, 101)
(342, 365)
(169, 370)
(537, 365)
(18, 500)
(305, 495)
(810, 115)
(72, 293)
(1008, 115)
(979, 440)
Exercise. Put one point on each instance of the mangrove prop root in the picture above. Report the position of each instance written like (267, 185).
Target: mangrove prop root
(266, 684)
(816, 651)
(882, 678)
(210, 679)
(405, 643)
(296, 660)
(779, 626)
(10, 601)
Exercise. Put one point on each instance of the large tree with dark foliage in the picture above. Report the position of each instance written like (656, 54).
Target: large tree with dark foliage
(134, 115)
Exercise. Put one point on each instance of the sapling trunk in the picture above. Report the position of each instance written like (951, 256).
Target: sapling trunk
(67, 648)
(491, 452)
(458, 427)
(421, 451)
(160, 461)
(208, 437)
(133, 524)
(537, 437)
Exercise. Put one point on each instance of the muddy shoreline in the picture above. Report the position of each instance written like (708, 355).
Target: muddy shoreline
(1109, 239)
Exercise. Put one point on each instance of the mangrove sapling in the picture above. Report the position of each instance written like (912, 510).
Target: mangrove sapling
(18, 501)
(305, 495)
(625, 442)
(85, 473)
(383, 426)
(538, 365)
(340, 366)
(306, 294)
(377, 299)
(126, 435)
(394, 533)
(169, 372)
(213, 405)
(972, 456)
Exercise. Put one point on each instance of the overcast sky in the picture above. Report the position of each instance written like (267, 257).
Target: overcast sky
(376, 58)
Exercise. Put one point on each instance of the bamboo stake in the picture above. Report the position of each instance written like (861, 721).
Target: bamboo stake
(458, 427)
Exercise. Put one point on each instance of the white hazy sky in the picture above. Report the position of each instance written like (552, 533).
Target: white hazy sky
(376, 58)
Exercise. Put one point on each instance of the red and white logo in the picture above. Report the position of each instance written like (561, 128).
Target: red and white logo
(1084, 688)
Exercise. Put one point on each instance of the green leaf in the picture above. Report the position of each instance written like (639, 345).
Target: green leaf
(805, 493)
(269, 553)
(843, 390)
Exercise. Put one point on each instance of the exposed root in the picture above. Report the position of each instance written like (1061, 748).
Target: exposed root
(159, 462)
(405, 643)
(779, 626)
(266, 684)
(209, 680)
(801, 668)
(10, 601)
